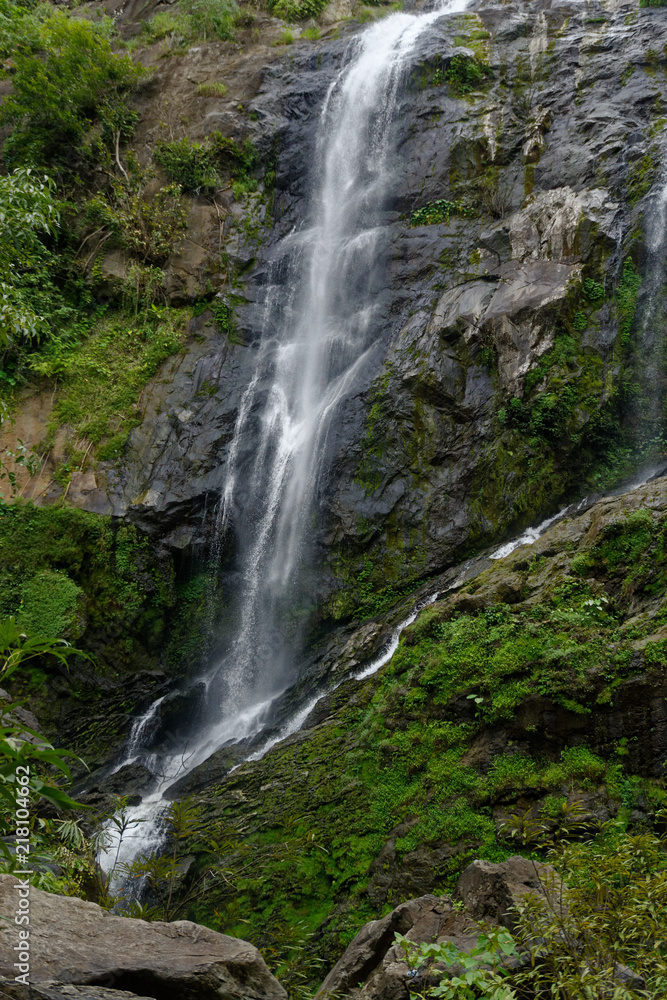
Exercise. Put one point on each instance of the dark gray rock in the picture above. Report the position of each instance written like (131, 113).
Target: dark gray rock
(490, 891)
(78, 943)
(465, 309)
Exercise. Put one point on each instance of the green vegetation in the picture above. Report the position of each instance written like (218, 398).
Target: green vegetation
(196, 165)
(191, 20)
(626, 298)
(613, 911)
(49, 604)
(296, 10)
(100, 379)
(465, 74)
(641, 175)
(439, 211)
(653, 3)
(400, 765)
(28, 208)
(147, 229)
(68, 102)
(211, 18)
(211, 88)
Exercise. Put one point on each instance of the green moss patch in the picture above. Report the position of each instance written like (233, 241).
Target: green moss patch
(99, 379)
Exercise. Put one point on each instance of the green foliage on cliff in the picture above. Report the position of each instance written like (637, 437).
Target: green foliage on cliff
(418, 769)
(29, 213)
(610, 913)
(113, 567)
(626, 298)
(438, 211)
(99, 379)
(49, 604)
(465, 74)
(202, 165)
(296, 10)
(68, 100)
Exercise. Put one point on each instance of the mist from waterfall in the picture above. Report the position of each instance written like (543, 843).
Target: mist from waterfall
(309, 361)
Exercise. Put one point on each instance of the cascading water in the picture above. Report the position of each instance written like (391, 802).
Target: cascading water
(312, 352)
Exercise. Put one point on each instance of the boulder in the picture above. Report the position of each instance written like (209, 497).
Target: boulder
(79, 943)
(489, 891)
(374, 967)
(59, 991)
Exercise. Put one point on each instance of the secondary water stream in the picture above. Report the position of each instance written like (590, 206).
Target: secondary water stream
(309, 361)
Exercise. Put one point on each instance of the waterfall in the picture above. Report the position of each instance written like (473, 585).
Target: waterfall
(311, 355)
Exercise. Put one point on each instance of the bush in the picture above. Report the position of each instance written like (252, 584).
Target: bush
(147, 230)
(28, 209)
(191, 164)
(100, 379)
(465, 74)
(626, 298)
(297, 10)
(49, 605)
(199, 166)
(68, 100)
(211, 18)
(211, 89)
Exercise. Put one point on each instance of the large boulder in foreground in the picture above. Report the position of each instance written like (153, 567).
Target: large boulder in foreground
(74, 942)
(61, 991)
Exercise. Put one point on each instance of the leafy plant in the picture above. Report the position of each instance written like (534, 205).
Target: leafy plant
(25, 757)
(50, 605)
(100, 379)
(148, 230)
(627, 291)
(439, 211)
(193, 165)
(211, 88)
(483, 972)
(211, 18)
(27, 209)
(465, 74)
(199, 166)
(297, 10)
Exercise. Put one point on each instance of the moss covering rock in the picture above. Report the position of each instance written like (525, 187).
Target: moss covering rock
(530, 699)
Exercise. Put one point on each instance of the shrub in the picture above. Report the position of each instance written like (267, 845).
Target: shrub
(626, 298)
(100, 379)
(148, 230)
(199, 166)
(49, 605)
(164, 24)
(438, 211)
(211, 18)
(68, 101)
(28, 209)
(211, 89)
(298, 10)
(465, 74)
(190, 164)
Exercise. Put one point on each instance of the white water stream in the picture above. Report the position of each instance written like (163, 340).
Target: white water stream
(310, 358)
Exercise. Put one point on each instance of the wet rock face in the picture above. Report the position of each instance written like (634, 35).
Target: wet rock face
(550, 160)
